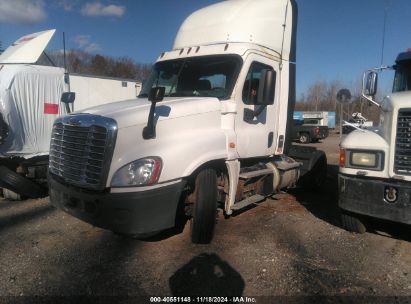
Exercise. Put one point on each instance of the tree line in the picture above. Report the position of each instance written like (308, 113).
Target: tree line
(322, 96)
(78, 61)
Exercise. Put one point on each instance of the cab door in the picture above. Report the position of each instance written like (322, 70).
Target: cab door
(256, 136)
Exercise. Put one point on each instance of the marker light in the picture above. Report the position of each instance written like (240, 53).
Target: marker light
(342, 157)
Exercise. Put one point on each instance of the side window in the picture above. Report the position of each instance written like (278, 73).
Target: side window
(252, 82)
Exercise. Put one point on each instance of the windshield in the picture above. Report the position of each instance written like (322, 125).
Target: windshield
(208, 76)
(402, 79)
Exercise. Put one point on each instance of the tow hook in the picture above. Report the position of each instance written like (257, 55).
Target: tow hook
(390, 194)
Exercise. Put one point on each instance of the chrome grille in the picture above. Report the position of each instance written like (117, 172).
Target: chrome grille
(402, 158)
(81, 148)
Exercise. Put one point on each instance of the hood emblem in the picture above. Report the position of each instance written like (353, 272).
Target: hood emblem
(74, 122)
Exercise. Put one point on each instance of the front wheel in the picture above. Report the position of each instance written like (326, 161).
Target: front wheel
(304, 138)
(352, 223)
(204, 213)
(19, 184)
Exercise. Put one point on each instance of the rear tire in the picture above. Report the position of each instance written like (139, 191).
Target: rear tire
(204, 214)
(304, 138)
(352, 223)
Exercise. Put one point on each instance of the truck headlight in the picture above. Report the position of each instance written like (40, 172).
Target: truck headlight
(142, 172)
(373, 160)
(364, 159)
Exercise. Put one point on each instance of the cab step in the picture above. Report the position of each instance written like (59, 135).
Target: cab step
(248, 201)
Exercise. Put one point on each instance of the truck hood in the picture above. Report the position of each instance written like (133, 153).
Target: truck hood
(396, 101)
(135, 111)
(364, 140)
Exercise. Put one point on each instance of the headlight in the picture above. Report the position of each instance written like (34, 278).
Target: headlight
(364, 159)
(372, 160)
(142, 172)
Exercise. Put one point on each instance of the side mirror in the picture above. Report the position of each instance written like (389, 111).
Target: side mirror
(370, 81)
(68, 97)
(156, 94)
(266, 89)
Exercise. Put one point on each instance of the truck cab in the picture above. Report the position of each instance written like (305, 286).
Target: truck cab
(375, 163)
(208, 131)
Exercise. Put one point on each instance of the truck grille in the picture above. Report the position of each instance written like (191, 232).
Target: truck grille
(402, 158)
(81, 149)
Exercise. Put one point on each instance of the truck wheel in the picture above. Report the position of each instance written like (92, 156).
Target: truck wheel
(352, 223)
(19, 184)
(304, 138)
(205, 207)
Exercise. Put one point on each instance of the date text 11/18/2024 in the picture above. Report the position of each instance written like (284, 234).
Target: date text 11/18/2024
(202, 300)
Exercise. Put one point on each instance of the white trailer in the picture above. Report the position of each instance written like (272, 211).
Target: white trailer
(210, 129)
(315, 118)
(30, 102)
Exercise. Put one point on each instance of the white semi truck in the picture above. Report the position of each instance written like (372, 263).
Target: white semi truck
(30, 97)
(208, 131)
(375, 164)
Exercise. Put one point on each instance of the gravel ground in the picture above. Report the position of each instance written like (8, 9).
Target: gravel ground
(290, 245)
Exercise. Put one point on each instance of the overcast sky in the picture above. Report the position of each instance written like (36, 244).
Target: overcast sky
(337, 40)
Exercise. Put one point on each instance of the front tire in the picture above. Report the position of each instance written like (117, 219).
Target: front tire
(352, 223)
(19, 184)
(204, 214)
(304, 138)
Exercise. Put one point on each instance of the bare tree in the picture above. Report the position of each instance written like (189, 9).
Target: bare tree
(78, 61)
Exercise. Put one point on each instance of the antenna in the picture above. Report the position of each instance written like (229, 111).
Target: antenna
(64, 52)
(383, 32)
(66, 74)
(282, 42)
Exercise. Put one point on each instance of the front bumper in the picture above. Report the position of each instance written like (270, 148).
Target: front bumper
(367, 196)
(134, 213)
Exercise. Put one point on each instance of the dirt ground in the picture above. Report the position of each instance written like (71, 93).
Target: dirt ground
(290, 245)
